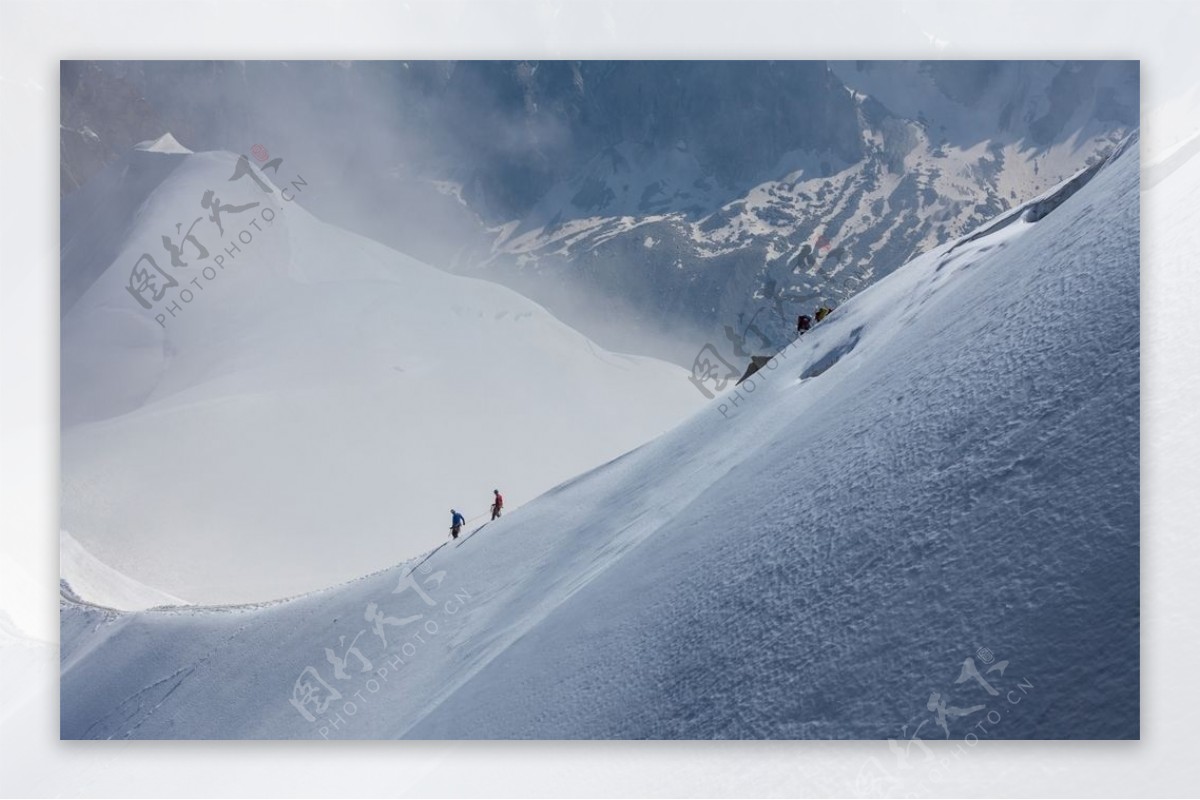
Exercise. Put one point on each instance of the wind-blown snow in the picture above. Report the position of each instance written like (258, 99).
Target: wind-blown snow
(321, 402)
(948, 463)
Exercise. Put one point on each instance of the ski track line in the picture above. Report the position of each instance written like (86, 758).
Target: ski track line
(182, 673)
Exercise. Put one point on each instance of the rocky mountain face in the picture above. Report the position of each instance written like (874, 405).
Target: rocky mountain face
(657, 206)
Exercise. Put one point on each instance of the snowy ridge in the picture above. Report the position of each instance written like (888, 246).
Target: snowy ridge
(85, 576)
(948, 463)
(402, 390)
(864, 163)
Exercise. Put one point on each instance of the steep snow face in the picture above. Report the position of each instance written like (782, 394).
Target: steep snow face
(919, 518)
(293, 383)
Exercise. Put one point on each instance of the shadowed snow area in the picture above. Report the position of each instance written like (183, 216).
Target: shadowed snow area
(949, 462)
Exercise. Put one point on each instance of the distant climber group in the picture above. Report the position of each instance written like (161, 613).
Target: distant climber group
(457, 520)
(804, 322)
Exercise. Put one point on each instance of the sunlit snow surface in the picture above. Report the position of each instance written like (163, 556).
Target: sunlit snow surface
(944, 473)
(316, 403)
(103, 585)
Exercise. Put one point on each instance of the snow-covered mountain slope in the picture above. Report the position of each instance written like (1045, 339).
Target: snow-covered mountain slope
(292, 405)
(920, 518)
(103, 585)
(632, 197)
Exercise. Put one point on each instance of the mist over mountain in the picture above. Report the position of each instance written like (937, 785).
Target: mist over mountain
(941, 479)
(655, 206)
(274, 379)
(284, 442)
